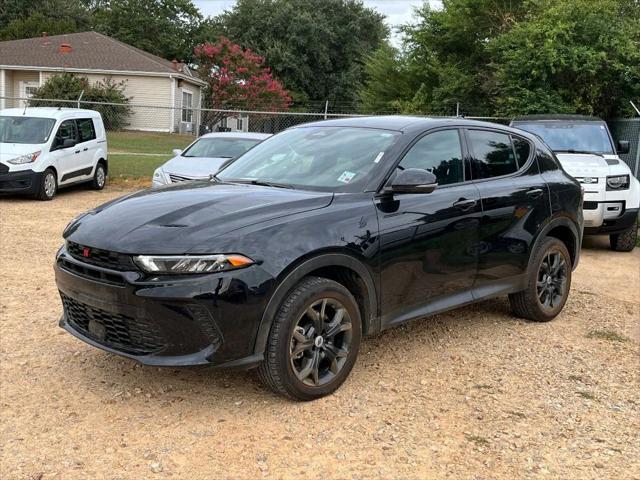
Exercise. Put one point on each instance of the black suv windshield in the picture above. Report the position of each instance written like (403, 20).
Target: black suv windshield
(571, 136)
(218, 147)
(29, 130)
(327, 158)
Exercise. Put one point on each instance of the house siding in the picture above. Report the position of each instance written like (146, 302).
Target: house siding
(150, 96)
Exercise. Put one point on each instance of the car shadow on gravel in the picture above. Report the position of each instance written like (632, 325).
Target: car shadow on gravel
(425, 339)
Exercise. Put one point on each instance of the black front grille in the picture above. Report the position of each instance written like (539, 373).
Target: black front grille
(590, 206)
(87, 271)
(101, 258)
(120, 332)
(3, 168)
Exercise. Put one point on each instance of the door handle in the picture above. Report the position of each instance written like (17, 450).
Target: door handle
(85, 149)
(77, 151)
(464, 204)
(535, 192)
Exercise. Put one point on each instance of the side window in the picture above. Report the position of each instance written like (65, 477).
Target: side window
(493, 155)
(67, 129)
(523, 149)
(86, 131)
(440, 153)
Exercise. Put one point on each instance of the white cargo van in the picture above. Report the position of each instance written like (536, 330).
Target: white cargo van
(43, 149)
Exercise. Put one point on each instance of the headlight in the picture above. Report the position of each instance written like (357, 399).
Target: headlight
(158, 176)
(618, 182)
(191, 263)
(28, 158)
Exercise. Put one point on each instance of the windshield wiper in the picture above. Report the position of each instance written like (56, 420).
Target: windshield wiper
(571, 150)
(256, 181)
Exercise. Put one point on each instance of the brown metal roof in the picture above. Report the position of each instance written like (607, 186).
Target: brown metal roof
(85, 50)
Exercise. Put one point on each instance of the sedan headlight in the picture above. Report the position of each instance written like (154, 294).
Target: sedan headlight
(618, 182)
(28, 158)
(178, 264)
(158, 176)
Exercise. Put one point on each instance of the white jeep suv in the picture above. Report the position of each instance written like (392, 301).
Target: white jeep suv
(586, 151)
(44, 148)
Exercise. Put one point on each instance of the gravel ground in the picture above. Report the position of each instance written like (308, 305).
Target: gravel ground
(474, 393)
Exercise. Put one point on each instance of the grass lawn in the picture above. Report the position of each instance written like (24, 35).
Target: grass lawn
(147, 142)
(122, 165)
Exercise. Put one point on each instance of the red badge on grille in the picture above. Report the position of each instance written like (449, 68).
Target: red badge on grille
(86, 251)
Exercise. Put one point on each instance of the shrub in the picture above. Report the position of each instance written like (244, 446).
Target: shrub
(108, 95)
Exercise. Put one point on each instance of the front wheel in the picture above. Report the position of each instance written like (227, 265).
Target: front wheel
(548, 283)
(625, 241)
(313, 342)
(48, 185)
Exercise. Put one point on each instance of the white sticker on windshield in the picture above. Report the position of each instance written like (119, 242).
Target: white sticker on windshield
(379, 157)
(346, 177)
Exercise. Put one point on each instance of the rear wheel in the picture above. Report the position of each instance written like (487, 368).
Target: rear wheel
(48, 185)
(313, 342)
(625, 241)
(548, 283)
(99, 177)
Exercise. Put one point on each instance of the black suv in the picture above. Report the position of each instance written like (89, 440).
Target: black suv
(317, 236)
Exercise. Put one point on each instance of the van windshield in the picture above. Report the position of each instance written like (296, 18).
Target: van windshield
(571, 136)
(29, 130)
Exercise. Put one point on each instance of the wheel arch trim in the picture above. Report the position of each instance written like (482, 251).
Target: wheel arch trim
(303, 269)
(561, 221)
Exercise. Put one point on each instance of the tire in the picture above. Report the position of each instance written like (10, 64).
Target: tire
(99, 177)
(297, 364)
(625, 241)
(548, 284)
(48, 185)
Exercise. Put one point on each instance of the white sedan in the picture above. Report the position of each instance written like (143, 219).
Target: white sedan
(205, 156)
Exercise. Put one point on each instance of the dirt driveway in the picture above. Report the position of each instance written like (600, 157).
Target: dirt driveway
(474, 393)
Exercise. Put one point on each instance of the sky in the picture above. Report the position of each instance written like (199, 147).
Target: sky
(396, 11)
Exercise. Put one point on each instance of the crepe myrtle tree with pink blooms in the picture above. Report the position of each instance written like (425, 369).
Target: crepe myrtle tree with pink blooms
(237, 79)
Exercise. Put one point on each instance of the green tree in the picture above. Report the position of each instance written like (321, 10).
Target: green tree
(581, 56)
(25, 19)
(516, 56)
(162, 27)
(316, 47)
(66, 87)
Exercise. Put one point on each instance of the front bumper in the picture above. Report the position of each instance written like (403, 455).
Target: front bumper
(21, 182)
(612, 224)
(201, 320)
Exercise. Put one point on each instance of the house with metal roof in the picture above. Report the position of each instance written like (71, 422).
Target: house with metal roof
(169, 90)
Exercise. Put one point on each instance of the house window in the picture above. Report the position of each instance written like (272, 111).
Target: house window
(28, 89)
(187, 104)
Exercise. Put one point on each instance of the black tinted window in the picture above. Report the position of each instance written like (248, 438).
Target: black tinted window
(86, 130)
(522, 148)
(493, 155)
(66, 130)
(440, 153)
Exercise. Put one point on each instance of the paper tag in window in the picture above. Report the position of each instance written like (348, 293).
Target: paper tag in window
(379, 157)
(346, 177)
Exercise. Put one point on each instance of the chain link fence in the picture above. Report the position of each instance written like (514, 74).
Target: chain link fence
(628, 129)
(164, 127)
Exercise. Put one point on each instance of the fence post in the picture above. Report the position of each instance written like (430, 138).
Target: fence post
(326, 109)
(79, 97)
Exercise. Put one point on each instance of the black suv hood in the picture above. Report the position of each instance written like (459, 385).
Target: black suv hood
(177, 219)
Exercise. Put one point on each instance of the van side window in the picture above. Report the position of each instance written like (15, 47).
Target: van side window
(67, 129)
(86, 130)
(439, 153)
(493, 154)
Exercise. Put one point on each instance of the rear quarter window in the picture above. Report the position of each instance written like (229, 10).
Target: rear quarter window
(86, 129)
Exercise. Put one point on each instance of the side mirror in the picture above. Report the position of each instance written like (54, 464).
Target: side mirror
(623, 147)
(68, 143)
(177, 151)
(413, 180)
